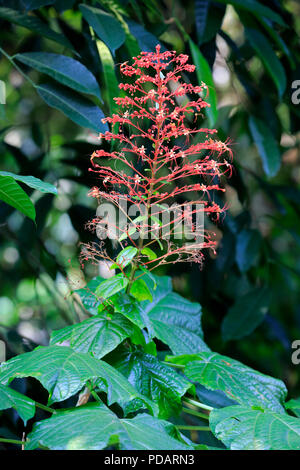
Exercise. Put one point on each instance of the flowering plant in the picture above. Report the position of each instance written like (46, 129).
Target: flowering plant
(118, 388)
(162, 156)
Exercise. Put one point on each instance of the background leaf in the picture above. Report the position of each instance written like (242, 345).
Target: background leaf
(64, 69)
(266, 144)
(13, 194)
(246, 314)
(34, 24)
(32, 182)
(77, 108)
(204, 74)
(265, 51)
(106, 26)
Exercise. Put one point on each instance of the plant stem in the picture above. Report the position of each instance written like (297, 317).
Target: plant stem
(44, 407)
(194, 428)
(198, 404)
(177, 366)
(195, 413)
(95, 395)
(11, 441)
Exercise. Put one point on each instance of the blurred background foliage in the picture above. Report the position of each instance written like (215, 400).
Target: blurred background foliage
(247, 51)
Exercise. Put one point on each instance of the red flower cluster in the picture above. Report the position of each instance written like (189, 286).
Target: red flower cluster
(162, 156)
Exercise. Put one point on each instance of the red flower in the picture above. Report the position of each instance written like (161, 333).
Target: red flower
(162, 157)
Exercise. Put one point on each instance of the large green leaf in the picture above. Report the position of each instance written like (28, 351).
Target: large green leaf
(11, 399)
(266, 144)
(64, 372)
(169, 317)
(33, 24)
(75, 107)
(256, 8)
(243, 428)
(13, 194)
(32, 182)
(95, 427)
(98, 335)
(152, 379)
(246, 314)
(204, 75)
(269, 58)
(105, 25)
(111, 286)
(237, 381)
(65, 70)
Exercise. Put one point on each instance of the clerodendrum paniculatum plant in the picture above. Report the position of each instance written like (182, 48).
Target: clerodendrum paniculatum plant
(115, 387)
(162, 156)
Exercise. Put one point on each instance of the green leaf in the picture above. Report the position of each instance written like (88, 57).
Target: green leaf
(140, 291)
(266, 144)
(149, 253)
(34, 24)
(247, 248)
(294, 406)
(111, 286)
(34, 4)
(13, 194)
(243, 428)
(110, 79)
(146, 40)
(88, 297)
(169, 317)
(125, 257)
(32, 182)
(237, 381)
(127, 306)
(64, 372)
(270, 60)
(65, 70)
(75, 107)
(246, 314)
(11, 399)
(204, 75)
(106, 26)
(152, 379)
(98, 335)
(256, 8)
(95, 427)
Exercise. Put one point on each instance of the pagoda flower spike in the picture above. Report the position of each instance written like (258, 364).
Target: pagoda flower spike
(159, 162)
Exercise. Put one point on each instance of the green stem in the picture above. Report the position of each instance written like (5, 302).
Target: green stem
(44, 407)
(177, 366)
(95, 395)
(11, 441)
(194, 428)
(195, 413)
(198, 404)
